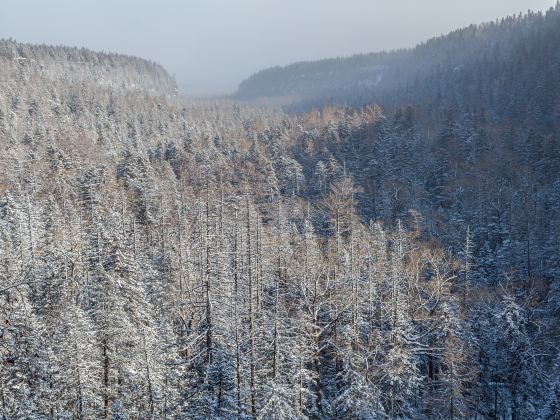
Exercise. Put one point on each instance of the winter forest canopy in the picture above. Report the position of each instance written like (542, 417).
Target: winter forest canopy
(387, 245)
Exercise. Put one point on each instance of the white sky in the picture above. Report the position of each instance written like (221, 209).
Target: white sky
(211, 45)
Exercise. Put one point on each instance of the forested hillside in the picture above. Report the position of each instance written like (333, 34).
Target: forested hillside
(220, 260)
(510, 66)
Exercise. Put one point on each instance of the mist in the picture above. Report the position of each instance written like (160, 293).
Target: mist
(212, 45)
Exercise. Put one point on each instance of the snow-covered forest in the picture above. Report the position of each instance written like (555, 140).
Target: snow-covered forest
(163, 259)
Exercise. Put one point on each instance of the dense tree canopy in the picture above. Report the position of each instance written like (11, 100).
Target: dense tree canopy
(164, 260)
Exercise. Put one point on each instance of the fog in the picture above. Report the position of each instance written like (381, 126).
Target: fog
(211, 45)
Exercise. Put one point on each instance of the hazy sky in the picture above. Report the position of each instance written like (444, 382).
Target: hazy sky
(211, 45)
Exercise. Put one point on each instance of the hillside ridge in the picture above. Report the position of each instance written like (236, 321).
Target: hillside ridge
(62, 63)
(363, 78)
